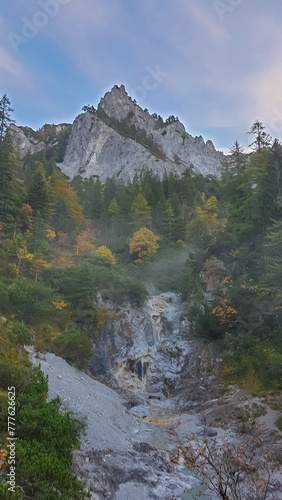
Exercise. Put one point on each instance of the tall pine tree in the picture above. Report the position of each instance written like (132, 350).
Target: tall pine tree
(38, 196)
(7, 188)
(5, 118)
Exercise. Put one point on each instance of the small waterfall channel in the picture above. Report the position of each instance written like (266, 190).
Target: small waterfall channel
(132, 373)
(140, 369)
(154, 343)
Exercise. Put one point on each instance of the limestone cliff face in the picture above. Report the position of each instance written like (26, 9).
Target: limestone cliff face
(120, 140)
(27, 141)
(144, 349)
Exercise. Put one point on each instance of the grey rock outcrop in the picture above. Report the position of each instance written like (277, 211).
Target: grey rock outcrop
(121, 140)
(27, 141)
(144, 349)
(24, 144)
(141, 474)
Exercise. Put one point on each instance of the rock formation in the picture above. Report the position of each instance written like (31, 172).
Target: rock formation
(120, 140)
(27, 141)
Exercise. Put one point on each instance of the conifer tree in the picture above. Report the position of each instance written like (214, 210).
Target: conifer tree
(141, 213)
(25, 219)
(169, 220)
(235, 162)
(97, 201)
(113, 210)
(7, 188)
(67, 211)
(61, 220)
(5, 119)
(38, 196)
(110, 191)
(262, 139)
(270, 187)
(37, 239)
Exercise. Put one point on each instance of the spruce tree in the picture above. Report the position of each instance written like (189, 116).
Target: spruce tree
(262, 139)
(38, 196)
(235, 161)
(110, 190)
(270, 187)
(141, 213)
(61, 220)
(169, 220)
(113, 210)
(5, 119)
(96, 203)
(7, 190)
(37, 239)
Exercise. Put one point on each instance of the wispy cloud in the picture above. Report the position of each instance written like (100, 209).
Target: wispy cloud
(11, 67)
(206, 21)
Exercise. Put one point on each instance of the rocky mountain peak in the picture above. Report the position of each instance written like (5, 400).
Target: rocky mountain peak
(28, 141)
(121, 140)
(119, 105)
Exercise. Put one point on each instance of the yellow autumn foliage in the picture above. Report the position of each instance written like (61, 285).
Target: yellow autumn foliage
(208, 216)
(60, 305)
(24, 254)
(106, 254)
(62, 189)
(227, 281)
(85, 244)
(50, 234)
(225, 313)
(143, 244)
(248, 284)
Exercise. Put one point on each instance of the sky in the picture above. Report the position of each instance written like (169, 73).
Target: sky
(216, 64)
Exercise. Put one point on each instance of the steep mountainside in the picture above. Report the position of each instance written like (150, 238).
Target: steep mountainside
(28, 141)
(120, 139)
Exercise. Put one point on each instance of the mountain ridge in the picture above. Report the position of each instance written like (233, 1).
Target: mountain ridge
(120, 139)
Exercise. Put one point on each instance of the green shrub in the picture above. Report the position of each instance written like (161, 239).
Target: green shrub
(19, 332)
(5, 494)
(30, 302)
(57, 432)
(74, 346)
(253, 363)
(77, 286)
(206, 324)
(46, 437)
(5, 305)
(116, 285)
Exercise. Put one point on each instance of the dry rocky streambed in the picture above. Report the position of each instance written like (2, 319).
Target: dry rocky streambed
(153, 385)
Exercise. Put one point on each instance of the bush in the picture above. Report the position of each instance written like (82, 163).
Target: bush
(255, 365)
(205, 324)
(74, 346)
(14, 364)
(19, 332)
(5, 494)
(77, 285)
(30, 302)
(116, 285)
(43, 475)
(4, 299)
(46, 438)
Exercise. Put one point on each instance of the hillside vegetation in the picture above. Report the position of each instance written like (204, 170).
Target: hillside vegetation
(218, 243)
